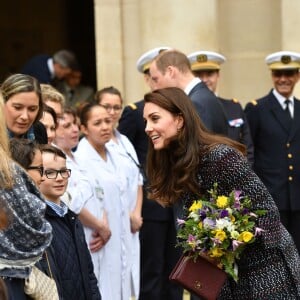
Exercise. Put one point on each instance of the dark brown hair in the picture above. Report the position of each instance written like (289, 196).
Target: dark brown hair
(184, 154)
(107, 90)
(3, 290)
(85, 112)
(23, 151)
(52, 149)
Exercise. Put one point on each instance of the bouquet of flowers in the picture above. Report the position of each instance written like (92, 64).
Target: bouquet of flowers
(219, 229)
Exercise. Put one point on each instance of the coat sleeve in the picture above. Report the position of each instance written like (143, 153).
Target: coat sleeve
(252, 118)
(247, 139)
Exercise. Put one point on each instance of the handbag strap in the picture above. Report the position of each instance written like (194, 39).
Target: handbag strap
(48, 264)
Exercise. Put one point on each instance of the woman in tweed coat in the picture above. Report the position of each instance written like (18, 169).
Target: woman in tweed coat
(270, 267)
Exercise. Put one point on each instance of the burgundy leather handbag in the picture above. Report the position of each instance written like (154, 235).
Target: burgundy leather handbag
(199, 276)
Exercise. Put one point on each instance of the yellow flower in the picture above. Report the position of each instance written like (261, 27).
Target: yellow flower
(220, 235)
(216, 252)
(195, 206)
(245, 236)
(200, 225)
(222, 201)
(232, 218)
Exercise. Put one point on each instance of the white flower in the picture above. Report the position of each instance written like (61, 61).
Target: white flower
(194, 216)
(229, 209)
(225, 223)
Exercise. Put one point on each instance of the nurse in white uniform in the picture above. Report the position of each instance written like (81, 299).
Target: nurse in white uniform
(82, 197)
(110, 98)
(105, 173)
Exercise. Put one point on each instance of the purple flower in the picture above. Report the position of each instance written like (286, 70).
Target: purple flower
(202, 214)
(224, 213)
(216, 241)
(237, 195)
(253, 215)
(209, 223)
(245, 211)
(236, 244)
(237, 203)
(191, 238)
(180, 221)
(258, 231)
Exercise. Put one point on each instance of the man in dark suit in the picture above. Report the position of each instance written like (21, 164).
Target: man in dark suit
(275, 127)
(158, 233)
(47, 69)
(172, 68)
(206, 66)
(75, 93)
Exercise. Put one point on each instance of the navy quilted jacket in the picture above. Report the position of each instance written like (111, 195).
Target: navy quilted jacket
(69, 258)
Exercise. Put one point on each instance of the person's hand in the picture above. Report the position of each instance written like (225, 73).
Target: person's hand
(136, 222)
(103, 229)
(96, 243)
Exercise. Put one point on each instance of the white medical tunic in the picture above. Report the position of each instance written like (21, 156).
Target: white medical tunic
(129, 166)
(112, 262)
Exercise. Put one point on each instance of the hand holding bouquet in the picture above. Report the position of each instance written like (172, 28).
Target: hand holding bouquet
(220, 228)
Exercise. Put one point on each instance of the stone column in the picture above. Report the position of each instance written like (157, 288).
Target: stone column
(244, 31)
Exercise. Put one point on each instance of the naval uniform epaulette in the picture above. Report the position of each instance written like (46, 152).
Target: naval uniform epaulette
(254, 102)
(133, 106)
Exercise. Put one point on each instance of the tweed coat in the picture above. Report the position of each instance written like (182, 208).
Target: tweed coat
(270, 267)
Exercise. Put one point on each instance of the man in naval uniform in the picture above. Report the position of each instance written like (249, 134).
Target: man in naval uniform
(206, 66)
(275, 128)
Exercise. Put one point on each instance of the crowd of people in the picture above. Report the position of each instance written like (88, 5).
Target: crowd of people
(92, 190)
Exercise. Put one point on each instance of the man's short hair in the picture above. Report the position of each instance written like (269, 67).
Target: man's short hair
(54, 150)
(65, 58)
(172, 58)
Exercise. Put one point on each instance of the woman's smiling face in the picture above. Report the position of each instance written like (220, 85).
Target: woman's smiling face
(161, 125)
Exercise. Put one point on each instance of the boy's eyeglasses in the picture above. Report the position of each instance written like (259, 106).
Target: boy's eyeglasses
(39, 168)
(52, 174)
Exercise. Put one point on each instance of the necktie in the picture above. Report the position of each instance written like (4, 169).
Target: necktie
(71, 95)
(287, 110)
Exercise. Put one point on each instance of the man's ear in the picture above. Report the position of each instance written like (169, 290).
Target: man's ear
(171, 71)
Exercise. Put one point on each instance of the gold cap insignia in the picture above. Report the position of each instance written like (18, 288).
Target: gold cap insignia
(202, 58)
(285, 59)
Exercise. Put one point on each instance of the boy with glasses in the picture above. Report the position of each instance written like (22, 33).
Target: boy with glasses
(72, 266)
(275, 128)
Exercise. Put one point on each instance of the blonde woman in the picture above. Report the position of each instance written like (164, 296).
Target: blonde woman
(27, 233)
(23, 108)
